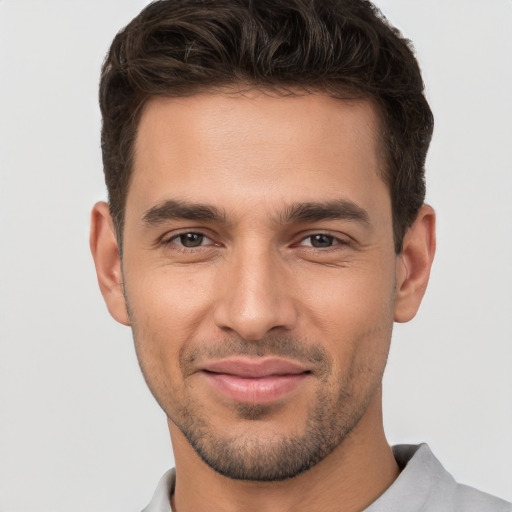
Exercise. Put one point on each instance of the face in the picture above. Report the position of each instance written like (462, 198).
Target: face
(259, 274)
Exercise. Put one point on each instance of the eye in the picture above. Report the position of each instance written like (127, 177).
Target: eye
(320, 241)
(190, 240)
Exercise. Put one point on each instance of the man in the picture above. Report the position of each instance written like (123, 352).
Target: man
(266, 226)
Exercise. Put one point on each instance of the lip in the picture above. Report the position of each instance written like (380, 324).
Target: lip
(260, 381)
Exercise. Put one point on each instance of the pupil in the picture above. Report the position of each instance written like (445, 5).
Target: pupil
(191, 239)
(321, 241)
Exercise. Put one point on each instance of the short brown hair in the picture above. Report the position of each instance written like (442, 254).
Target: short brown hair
(182, 47)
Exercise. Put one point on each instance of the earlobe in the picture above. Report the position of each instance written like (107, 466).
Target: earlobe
(414, 264)
(105, 252)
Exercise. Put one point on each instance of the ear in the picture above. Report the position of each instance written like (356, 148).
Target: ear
(105, 252)
(414, 263)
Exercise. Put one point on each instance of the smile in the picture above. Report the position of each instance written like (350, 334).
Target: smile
(258, 382)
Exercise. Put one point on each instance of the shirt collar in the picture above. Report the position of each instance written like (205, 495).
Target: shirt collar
(419, 472)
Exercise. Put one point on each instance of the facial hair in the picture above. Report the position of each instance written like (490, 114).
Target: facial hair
(254, 457)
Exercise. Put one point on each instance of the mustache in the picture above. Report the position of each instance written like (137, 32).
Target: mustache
(286, 347)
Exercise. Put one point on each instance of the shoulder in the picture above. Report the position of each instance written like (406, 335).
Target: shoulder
(468, 499)
(424, 485)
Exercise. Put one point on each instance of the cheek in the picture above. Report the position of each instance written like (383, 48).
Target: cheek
(350, 298)
(170, 299)
(167, 309)
(352, 314)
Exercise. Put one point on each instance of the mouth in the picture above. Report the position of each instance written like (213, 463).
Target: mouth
(255, 381)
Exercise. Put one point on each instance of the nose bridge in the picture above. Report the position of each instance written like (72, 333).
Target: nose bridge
(255, 296)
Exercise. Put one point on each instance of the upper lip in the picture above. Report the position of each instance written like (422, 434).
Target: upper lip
(246, 367)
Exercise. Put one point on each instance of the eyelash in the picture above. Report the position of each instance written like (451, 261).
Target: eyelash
(334, 241)
(173, 239)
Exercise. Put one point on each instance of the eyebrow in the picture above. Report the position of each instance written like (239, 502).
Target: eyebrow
(172, 209)
(341, 209)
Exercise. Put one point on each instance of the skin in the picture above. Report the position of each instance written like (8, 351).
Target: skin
(320, 291)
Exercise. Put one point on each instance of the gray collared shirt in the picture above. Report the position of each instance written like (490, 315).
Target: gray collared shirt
(422, 486)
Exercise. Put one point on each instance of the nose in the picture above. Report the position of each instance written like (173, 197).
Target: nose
(255, 296)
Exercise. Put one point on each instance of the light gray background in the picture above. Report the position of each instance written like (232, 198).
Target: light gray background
(78, 429)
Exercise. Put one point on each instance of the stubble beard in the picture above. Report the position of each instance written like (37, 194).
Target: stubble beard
(263, 458)
(242, 457)
(256, 458)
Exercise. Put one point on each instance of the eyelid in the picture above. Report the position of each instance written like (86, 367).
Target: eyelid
(339, 238)
(170, 238)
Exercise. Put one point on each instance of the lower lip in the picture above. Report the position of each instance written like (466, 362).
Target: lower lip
(262, 390)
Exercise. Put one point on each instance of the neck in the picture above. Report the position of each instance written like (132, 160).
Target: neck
(354, 475)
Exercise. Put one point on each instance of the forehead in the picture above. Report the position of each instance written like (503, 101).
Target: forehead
(217, 147)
